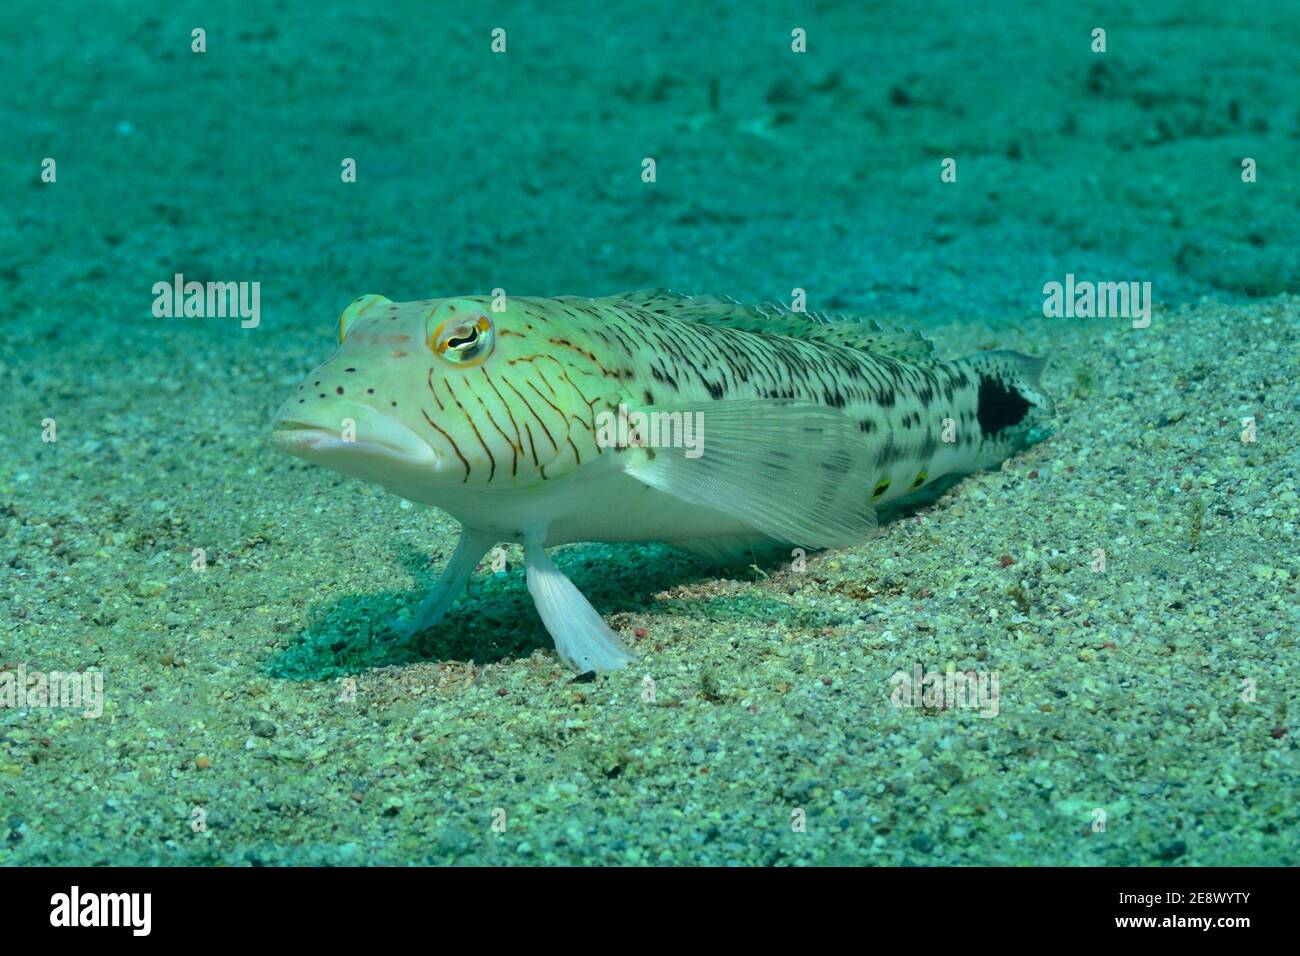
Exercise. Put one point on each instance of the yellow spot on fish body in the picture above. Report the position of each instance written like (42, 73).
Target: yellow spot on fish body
(881, 487)
(920, 480)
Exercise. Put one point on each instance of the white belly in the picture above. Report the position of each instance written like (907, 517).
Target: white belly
(589, 504)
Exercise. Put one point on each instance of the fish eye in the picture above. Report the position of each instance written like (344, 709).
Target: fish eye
(460, 340)
(463, 338)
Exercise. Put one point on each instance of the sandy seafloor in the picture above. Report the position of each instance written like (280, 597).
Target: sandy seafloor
(1122, 691)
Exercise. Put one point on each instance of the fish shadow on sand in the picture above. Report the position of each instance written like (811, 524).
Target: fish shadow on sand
(494, 620)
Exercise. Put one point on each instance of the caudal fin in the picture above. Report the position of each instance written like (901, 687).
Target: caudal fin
(1013, 410)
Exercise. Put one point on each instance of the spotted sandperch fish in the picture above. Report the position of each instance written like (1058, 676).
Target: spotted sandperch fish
(711, 426)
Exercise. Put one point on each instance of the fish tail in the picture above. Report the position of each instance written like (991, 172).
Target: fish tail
(1013, 409)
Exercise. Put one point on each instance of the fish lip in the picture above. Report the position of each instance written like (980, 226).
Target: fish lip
(375, 438)
(294, 436)
(291, 432)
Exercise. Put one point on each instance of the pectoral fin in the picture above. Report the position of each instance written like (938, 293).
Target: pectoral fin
(455, 576)
(793, 470)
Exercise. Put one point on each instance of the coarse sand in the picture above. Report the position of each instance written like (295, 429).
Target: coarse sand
(1145, 712)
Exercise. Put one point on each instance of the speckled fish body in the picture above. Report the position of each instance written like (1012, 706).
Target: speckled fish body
(498, 412)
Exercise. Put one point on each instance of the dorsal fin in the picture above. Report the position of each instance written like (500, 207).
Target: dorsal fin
(776, 318)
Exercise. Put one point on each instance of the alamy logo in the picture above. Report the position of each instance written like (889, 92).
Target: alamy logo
(210, 300)
(946, 690)
(66, 690)
(103, 909)
(651, 430)
(1102, 300)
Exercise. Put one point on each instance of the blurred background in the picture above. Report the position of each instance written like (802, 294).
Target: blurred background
(774, 169)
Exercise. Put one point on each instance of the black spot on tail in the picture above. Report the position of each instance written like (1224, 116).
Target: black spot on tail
(1000, 406)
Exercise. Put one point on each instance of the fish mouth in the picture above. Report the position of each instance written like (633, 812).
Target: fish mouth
(372, 442)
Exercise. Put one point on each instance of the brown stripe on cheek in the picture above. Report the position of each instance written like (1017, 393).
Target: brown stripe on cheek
(492, 461)
(547, 400)
(434, 392)
(514, 465)
(545, 381)
(531, 446)
(535, 415)
(591, 404)
(451, 441)
(518, 445)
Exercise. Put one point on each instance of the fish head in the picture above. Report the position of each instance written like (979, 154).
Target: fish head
(463, 391)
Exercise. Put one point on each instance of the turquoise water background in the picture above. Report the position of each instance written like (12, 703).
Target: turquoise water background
(522, 170)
